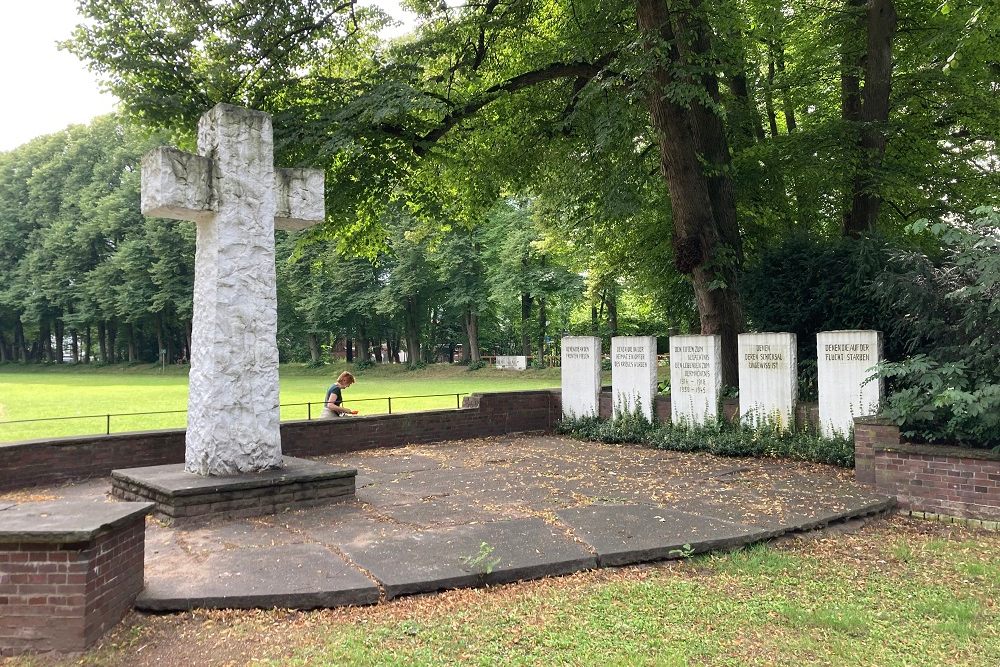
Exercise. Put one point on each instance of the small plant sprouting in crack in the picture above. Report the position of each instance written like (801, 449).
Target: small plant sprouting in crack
(482, 562)
(685, 551)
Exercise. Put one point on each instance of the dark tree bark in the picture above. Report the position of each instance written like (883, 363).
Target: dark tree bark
(526, 324)
(349, 350)
(772, 119)
(312, 340)
(74, 344)
(4, 356)
(60, 335)
(880, 21)
(102, 341)
(86, 345)
(699, 247)
(612, 299)
(541, 330)
(21, 354)
(411, 324)
(471, 321)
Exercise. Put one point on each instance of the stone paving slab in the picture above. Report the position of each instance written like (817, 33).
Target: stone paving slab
(298, 576)
(467, 556)
(627, 534)
(479, 512)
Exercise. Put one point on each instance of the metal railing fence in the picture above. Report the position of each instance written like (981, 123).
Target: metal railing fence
(309, 409)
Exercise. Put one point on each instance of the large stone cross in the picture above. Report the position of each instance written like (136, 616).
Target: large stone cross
(236, 198)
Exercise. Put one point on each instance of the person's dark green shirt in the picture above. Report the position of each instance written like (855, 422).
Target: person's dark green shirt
(335, 389)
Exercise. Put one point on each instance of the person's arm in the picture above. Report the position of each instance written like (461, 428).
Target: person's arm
(338, 409)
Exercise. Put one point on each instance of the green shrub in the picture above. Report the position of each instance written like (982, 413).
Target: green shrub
(721, 438)
(476, 365)
(947, 315)
(804, 285)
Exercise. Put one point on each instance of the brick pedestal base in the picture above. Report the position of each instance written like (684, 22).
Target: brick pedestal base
(68, 573)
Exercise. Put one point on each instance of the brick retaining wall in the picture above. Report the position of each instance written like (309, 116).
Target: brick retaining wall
(64, 595)
(44, 462)
(927, 478)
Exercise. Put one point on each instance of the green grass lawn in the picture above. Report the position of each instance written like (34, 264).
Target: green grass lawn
(900, 592)
(36, 392)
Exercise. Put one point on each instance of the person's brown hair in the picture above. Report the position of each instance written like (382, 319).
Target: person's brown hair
(345, 376)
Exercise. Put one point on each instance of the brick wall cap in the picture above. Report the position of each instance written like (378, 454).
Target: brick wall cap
(873, 420)
(70, 440)
(65, 522)
(940, 450)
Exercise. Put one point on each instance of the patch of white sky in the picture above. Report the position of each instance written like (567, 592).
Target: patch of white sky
(44, 89)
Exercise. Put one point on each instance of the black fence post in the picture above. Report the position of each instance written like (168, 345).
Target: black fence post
(309, 411)
(389, 398)
(108, 429)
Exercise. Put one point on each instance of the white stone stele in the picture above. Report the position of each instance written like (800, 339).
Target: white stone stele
(236, 198)
(845, 360)
(581, 376)
(633, 374)
(695, 378)
(512, 363)
(768, 378)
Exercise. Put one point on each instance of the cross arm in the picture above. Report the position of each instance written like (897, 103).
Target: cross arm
(298, 194)
(177, 185)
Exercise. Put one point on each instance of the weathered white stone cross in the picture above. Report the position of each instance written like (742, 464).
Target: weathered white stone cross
(236, 198)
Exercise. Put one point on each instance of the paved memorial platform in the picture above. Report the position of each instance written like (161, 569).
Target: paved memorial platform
(484, 512)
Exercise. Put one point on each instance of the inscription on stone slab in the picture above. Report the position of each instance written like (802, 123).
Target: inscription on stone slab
(581, 375)
(695, 378)
(512, 363)
(768, 379)
(845, 360)
(633, 374)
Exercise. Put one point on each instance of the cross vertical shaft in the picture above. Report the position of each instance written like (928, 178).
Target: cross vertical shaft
(229, 191)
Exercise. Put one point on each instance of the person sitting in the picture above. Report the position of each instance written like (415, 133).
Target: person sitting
(335, 397)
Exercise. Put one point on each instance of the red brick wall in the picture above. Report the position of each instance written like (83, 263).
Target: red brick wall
(52, 462)
(63, 597)
(869, 431)
(924, 478)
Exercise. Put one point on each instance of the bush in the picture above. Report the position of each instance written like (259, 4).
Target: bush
(721, 438)
(947, 315)
(476, 365)
(804, 285)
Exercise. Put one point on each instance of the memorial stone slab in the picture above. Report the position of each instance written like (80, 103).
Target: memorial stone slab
(512, 362)
(695, 378)
(633, 374)
(236, 198)
(845, 361)
(768, 378)
(581, 375)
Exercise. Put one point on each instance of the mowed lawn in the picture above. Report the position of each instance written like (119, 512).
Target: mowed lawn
(42, 392)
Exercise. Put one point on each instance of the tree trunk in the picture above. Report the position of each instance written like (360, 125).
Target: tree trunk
(695, 46)
(363, 352)
(60, 335)
(102, 341)
(161, 353)
(349, 349)
(315, 355)
(45, 340)
(412, 332)
(772, 119)
(697, 237)
(112, 332)
(525, 324)
(74, 343)
(612, 299)
(3, 348)
(20, 354)
(86, 345)
(786, 98)
(130, 347)
(542, 327)
(874, 113)
(471, 322)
